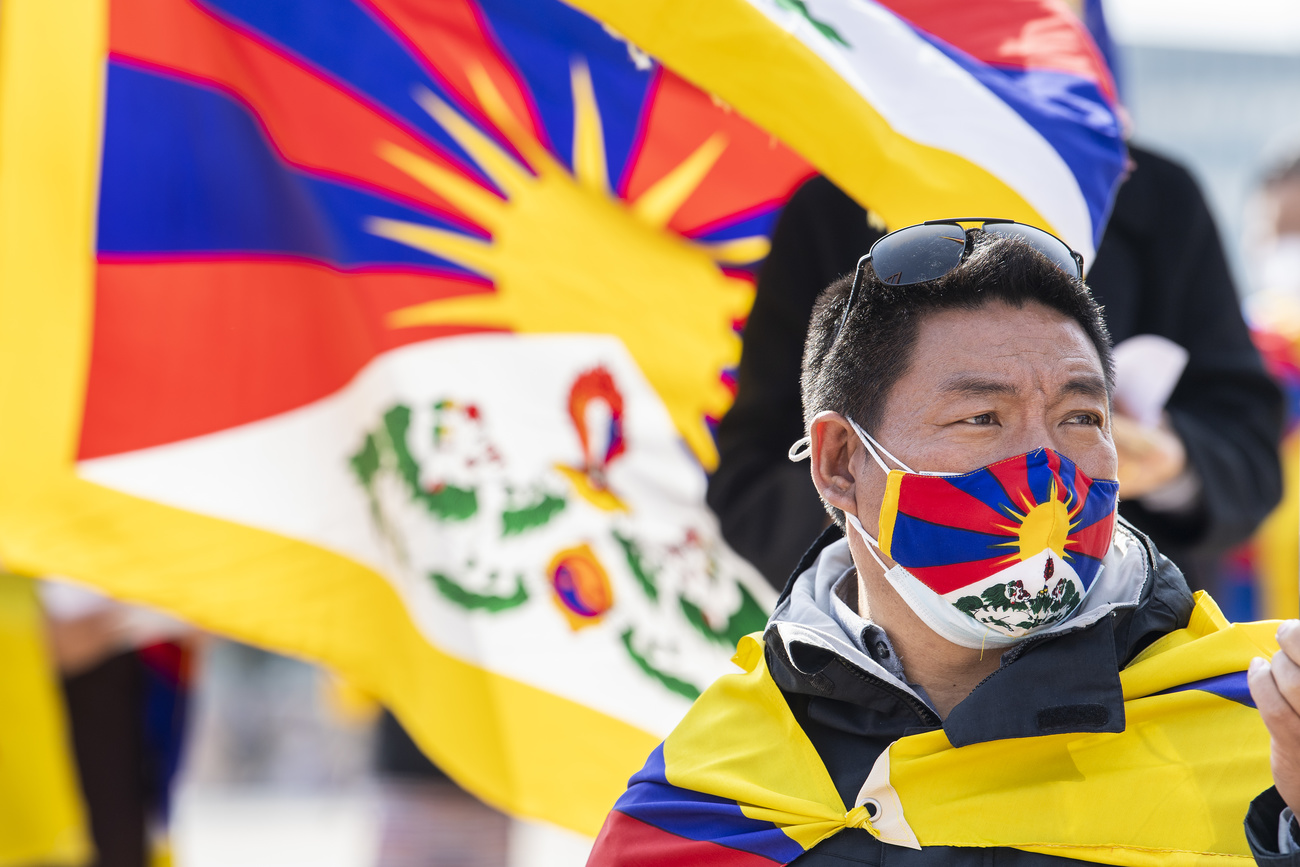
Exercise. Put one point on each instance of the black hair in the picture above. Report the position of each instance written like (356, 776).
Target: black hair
(854, 372)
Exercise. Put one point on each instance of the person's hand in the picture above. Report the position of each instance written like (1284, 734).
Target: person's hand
(79, 644)
(1275, 687)
(1149, 457)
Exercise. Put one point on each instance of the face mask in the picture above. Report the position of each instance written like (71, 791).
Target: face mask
(990, 557)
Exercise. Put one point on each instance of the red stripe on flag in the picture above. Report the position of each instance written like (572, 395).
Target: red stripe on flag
(1023, 34)
(754, 170)
(450, 39)
(1095, 540)
(945, 579)
(936, 500)
(1082, 485)
(313, 123)
(628, 842)
(1013, 476)
(182, 349)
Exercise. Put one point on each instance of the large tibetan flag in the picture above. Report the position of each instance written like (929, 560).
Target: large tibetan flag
(390, 333)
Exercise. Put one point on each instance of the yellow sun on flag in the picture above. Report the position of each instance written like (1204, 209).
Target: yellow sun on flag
(566, 256)
(1043, 526)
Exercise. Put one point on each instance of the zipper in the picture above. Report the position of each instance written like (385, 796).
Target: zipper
(918, 707)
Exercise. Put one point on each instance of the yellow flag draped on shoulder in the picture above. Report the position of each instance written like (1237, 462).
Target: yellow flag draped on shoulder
(1171, 789)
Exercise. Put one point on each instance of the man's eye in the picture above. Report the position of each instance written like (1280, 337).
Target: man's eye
(982, 418)
(1087, 418)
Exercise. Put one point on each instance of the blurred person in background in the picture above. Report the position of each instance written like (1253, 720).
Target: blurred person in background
(425, 819)
(125, 677)
(1270, 562)
(1198, 482)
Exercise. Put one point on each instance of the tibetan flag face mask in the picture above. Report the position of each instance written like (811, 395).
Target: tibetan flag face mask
(989, 557)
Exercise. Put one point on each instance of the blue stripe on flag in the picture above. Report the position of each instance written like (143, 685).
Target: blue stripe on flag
(542, 39)
(759, 222)
(1231, 686)
(985, 487)
(187, 170)
(650, 798)
(923, 544)
(1070, 112)
(1095, 507)
(350, 44)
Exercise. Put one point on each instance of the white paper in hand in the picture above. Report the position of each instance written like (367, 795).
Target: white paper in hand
(1147, 367)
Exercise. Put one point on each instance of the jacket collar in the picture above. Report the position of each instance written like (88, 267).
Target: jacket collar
(1064, 680)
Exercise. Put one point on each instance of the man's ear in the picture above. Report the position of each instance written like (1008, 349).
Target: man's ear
(834, 444)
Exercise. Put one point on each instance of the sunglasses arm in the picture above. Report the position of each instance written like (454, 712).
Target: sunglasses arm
(853, 293)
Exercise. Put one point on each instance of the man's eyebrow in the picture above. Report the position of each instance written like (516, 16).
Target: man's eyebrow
(1087, 386)
(976, 385)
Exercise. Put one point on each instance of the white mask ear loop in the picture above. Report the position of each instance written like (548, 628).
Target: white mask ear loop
(871, 445)
(872, 544)
(802, 448)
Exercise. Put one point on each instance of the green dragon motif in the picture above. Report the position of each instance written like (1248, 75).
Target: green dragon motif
(537, 514)
(447, 502)
(749, 617)
(1001, 604)
(800, 7)
(644, 575)
(469, 600)
(677, 685)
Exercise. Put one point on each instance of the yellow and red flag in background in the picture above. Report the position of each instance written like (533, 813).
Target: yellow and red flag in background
(390, 333)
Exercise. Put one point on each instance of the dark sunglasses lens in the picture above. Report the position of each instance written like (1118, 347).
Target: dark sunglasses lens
(917, 253)
(1049, 245)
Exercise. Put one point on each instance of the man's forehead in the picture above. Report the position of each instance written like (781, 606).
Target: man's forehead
(1003, 349)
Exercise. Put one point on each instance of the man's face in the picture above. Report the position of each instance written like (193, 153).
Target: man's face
(989, 384)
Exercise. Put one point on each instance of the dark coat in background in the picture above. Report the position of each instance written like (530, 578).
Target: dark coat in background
(1160, 269)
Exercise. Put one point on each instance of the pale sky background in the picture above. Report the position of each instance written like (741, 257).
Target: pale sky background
(1231, 25)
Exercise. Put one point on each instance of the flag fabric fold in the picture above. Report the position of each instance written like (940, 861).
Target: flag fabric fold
(739, 783)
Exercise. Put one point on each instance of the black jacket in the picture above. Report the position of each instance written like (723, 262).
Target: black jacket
(1160, 269)
(1047, 685)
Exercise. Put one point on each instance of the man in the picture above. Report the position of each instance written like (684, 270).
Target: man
(1206, 481)
(978, 663)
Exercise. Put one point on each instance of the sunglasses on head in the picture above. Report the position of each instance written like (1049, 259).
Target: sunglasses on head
(927, 251)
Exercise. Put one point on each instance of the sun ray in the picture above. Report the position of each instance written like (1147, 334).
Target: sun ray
(475, 202)
(588, 135)
(738, 251)
(462, 249)
(498, 111)
(480, 311)
(504, 171)
(658, 204)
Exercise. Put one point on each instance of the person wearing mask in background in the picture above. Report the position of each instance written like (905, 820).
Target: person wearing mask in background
(1270, 561)
(1198, 483)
